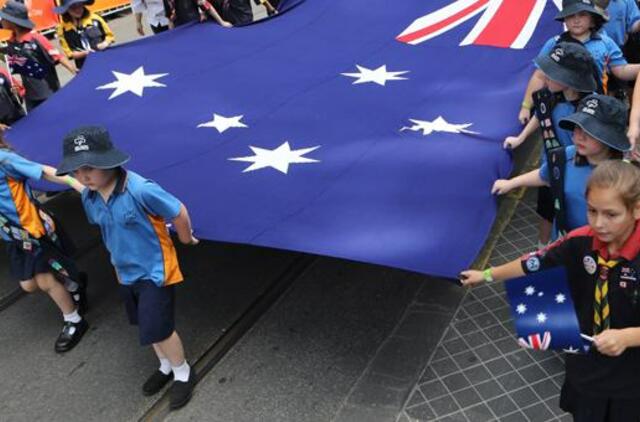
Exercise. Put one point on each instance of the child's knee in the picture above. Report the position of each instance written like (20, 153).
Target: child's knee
(29, 286)
(45, 281)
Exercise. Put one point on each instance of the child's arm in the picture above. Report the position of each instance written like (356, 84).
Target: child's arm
(71, 67)
(213, 13)
(535, 83)
(634, 119)
(504, 272)
(49, 173)
(109, 38)
(531, 179)
(182, 224)
(512, 142)
(627, 72)
(614, 342)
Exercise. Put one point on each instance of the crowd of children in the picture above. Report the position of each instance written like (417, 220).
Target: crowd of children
(588, 199)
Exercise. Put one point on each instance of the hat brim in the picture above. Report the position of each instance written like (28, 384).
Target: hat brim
(61, 10)
(104, 161)
(605, 134)
(25, 23)
(577, 8)
(580, 82)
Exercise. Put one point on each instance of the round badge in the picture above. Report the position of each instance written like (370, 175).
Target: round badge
(590, 265)
(556, 173)
(533, 264)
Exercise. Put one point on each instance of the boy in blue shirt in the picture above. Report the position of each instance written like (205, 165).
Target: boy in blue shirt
(132, 213)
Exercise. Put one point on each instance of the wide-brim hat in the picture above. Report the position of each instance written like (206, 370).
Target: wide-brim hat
(62, 9)
(17, 13)
(603, 118)
(576, 6)
(569, 64)
(89, 146)
(582, 82)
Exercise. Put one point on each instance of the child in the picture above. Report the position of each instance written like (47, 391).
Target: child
(34, 251)
(131, 212)
(81, 31)
(603, 265)
(624, 19)
(569, 74)
(31, 55)
(583, 21)
(181, 11)
(599, 128)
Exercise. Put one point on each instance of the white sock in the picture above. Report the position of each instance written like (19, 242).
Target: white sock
(165, 366)
(72, 317)
(181, 373)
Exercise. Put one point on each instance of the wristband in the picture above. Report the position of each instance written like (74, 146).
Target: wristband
(487, 275)
(527, 105)
(69, 181)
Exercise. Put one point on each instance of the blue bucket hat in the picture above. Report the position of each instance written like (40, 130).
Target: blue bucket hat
(66, 4)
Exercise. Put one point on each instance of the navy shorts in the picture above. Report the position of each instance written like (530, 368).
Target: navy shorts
(24, 265)
(151, 308)
(545, 208)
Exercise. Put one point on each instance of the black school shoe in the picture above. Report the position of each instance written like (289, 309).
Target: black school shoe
(180, 392)
(70, 335)
(155, 382)
(79, 297)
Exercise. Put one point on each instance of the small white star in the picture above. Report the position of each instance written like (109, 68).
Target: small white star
(279, 158)
(529, 290)
(438, 125)
(135, 82)
(521, 308)
(560, 298)
(222, 123)
(541, 318)
(540, 294)
(379, 76)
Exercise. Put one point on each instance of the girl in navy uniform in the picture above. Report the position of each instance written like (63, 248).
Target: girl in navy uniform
(34, 250)
(603, 266)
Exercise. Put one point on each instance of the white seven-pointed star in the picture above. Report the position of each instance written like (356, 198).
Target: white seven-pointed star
(222, 123)
(379, 76)
(521, 309)
(438, 125)
(529, 290)
(279, 158)
(560, 298)
(541, 317)
(135, 82)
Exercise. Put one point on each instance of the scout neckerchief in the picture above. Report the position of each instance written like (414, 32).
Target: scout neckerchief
(544, 101)
(601, 310)
(29, 244)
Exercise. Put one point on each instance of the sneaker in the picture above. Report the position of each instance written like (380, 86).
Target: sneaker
(70, 335)
(180, 392)
(155, 382)
(80, 295)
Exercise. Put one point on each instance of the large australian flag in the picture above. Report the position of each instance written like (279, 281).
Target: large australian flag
(363, 129)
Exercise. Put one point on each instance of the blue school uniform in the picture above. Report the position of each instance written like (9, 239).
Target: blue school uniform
(15, 195)
(132, 222)
(603, 49)
(622, 15)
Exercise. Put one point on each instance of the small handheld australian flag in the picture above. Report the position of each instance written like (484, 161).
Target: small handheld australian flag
(543, 312)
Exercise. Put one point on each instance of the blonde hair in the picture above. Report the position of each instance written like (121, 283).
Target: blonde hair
(622, 176)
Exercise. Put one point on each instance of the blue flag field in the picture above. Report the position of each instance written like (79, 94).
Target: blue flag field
(363, 129)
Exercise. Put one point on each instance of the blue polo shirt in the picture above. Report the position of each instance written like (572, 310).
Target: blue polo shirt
(133, 226)
(15, 195)
(622, 15)
(603, 49)
(575, 184)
